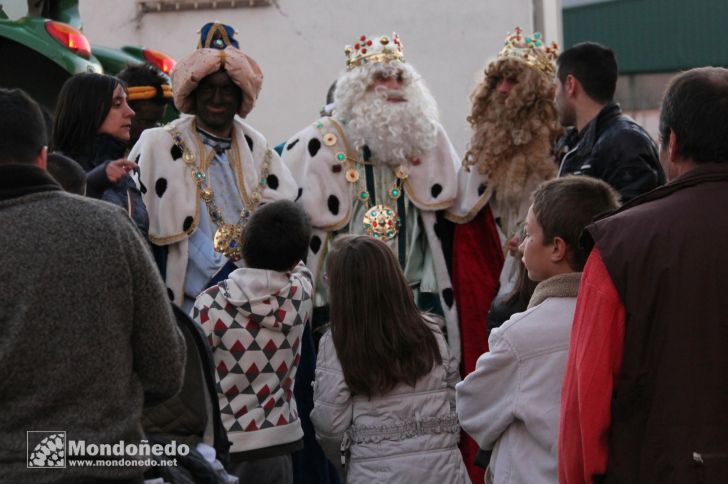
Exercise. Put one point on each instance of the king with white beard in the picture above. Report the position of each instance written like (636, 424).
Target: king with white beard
(382, 165)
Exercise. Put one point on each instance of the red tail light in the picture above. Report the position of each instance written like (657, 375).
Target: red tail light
(69, 37)
(160, 60)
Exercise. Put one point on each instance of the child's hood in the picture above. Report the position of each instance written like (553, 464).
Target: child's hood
(249, 285)
(260, 293)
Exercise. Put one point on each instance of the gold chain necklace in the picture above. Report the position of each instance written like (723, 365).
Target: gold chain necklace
(380, 221)
(228, 239)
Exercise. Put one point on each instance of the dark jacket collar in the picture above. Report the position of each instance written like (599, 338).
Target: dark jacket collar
(590, 134)
(702, 173)
(17, 180)
(103, 148)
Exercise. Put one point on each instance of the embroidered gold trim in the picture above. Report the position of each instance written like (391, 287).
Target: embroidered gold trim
(482, 202)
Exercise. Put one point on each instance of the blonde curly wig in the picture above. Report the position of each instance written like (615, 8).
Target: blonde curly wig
(513, 134)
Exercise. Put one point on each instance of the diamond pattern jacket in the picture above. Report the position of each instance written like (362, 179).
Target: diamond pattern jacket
(254, 321)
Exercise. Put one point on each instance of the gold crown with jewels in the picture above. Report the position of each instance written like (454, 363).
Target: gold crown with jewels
(377, 49)
(532, 50)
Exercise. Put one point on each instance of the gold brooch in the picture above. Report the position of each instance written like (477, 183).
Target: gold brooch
(381, 222)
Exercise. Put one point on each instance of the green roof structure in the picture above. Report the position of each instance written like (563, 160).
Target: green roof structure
(653, 35)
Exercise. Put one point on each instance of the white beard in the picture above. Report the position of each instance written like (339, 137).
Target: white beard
(393, 131)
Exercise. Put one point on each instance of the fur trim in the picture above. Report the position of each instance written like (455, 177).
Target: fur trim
(155, 153)
(312, 163)
(311, 160)
(562, 285)
(444, 286)
(474, 193)
(174, 215)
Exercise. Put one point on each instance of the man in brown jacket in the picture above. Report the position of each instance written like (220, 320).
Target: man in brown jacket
(645, 396)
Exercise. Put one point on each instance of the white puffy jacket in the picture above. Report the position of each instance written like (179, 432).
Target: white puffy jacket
(408, 435)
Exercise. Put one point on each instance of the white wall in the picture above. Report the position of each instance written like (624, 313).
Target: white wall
(299, 44)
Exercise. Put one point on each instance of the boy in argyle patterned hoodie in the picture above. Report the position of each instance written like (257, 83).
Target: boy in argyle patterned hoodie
(254, 321)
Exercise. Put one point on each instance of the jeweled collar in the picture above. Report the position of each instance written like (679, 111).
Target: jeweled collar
(17, 180)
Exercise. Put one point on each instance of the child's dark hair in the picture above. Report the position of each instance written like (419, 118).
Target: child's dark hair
(276, 236)
(379, 333)
(564, 207)
(68, 173)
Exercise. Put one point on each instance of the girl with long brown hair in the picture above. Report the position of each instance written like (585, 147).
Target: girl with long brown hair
(384, 399)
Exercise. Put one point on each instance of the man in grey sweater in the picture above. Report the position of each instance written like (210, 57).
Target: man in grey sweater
(87, 335)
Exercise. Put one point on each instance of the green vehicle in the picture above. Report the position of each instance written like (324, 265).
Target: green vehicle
(42, 45)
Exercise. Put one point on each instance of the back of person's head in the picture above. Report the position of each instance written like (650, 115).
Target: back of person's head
(83, 103)
(594, 66)
(68, 173)
(149, 92)
(276, 237)
(22, 128)
(695, 108)
(379, 334)
(564, 207)
(144, 75)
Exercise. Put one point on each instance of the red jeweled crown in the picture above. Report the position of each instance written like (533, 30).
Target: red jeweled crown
(377, 49)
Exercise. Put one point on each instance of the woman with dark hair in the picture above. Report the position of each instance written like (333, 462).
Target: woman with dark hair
(384, 398)
(92, 126)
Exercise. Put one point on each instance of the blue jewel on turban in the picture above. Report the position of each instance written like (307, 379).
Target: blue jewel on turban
(214, 35)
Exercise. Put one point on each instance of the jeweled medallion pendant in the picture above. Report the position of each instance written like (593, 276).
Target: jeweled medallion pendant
(229, 241)
(381, 222)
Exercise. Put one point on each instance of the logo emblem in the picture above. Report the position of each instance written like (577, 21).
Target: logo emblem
(46, 450)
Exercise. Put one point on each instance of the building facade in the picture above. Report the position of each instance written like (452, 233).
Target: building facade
(300, 44)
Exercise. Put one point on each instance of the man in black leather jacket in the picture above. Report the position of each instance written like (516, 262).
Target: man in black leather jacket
(603, 142)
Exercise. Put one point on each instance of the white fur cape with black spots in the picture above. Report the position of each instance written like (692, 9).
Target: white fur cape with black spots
(172, 197)
(313, 155)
